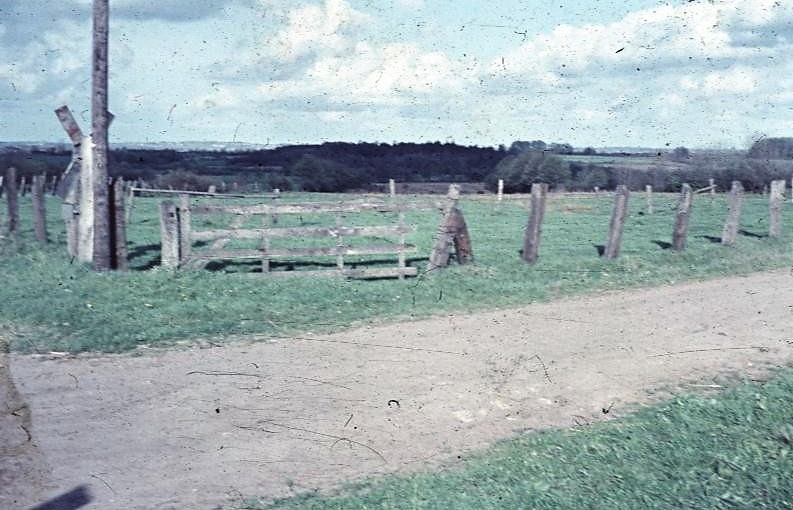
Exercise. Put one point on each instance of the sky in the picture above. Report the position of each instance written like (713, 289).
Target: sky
(694, 73)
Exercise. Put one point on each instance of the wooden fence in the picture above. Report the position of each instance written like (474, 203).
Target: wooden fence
(184, 245)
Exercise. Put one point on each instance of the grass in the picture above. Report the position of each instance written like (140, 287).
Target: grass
(732, 451)
(52, 303)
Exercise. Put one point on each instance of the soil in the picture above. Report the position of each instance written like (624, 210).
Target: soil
(203, 427)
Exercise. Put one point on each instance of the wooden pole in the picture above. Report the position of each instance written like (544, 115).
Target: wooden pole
(169, 235)
(775, 208)
(531, 239)
(733, 221)
(12, 199)
(500, 190)
(185, 231)
(23, 186)
(85, 221)
(100, 120)
(681, 221)
(391, 188)
(649, 190)
(617, 223)
(39, 209)
(120, 254)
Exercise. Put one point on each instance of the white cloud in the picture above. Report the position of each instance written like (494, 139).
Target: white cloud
(317, 29)
(733, 81)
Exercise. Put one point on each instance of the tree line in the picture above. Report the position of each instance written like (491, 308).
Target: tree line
(341, 166)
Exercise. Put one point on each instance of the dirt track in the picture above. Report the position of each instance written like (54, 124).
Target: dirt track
(199, 428)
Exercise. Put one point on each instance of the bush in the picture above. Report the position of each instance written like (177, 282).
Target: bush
(183, 180)
(520, 171)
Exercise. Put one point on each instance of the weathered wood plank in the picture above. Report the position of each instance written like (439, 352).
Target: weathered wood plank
(257, 233)
(296, 208)
(323, 251)
(388, 272)
(137, 189)
(69, 124)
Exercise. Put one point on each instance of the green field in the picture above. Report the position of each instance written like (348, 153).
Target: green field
(734, 451)
(52, 303)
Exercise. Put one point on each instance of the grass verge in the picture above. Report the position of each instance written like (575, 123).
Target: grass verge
(730, 451)
(48, 302)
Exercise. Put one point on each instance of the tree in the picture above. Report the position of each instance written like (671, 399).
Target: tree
(772, 148)
(681, 154)
(521, 170)
(518, 146)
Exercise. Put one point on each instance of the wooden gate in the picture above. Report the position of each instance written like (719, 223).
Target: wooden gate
(185, 245)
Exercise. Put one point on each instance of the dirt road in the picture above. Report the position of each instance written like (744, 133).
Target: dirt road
(200, 428)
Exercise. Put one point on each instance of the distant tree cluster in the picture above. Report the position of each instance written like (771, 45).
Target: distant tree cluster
(772, 148)
(519, 171)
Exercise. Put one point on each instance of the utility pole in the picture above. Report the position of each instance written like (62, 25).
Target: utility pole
(99, 125)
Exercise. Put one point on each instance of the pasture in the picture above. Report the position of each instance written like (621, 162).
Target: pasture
(54, 304)
(259, 403)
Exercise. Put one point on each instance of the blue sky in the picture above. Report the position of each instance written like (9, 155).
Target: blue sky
(602, 73)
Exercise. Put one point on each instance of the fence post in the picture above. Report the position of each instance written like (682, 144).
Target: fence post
(391, 188)
(54, 185)
(39, 209)
(681, 221)
(23, 186)
(712, 184)
(531, 239)
(649, 190)
(12, 199)
(119, 231)
(775, 208)
(500, 191)
(169, 235)
(184, 228)
(451, 231)
(733, 220)
(597, 200)
(617, 223)
(85, 242)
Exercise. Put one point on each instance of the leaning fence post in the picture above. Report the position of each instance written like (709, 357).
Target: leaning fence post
(681, 221)
(169, 235)
(531, 239)
(775, 208)
(39, 209)
(451, 231)
(12, 199)
(617, 223)
(733, 220)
